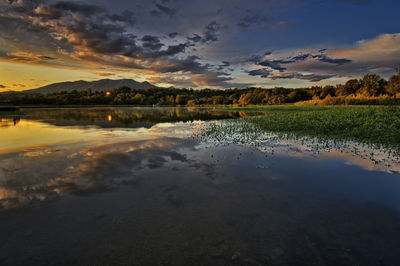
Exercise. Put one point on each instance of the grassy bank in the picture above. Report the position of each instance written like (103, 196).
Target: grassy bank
(10, 113)
(373, 125)
(277, 108)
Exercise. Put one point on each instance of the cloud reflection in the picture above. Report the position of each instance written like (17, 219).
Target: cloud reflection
(31, 176)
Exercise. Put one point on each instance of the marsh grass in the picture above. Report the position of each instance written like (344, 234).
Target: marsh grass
(6, 114)
(356, 128)
(278, 108)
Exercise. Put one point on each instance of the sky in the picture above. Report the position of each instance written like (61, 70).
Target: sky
(197, 43)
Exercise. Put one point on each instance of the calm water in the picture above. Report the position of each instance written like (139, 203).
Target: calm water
(132, 186)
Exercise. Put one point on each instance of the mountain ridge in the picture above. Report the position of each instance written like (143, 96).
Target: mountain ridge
(98, 85)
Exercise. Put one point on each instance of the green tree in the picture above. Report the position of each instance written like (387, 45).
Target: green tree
(217, 99)
(245, 99)
(327, 90)
(181, 99)
(373, 85)
(393, 85)
(139, 99)
(169, 100)
(352, 86)
(298, 95)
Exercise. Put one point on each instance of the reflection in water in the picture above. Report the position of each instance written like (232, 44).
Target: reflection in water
(42, 126)
(30, 133)
(7, 122)
(75, 191)
(127, 117)
(36, 175)
(367, 155)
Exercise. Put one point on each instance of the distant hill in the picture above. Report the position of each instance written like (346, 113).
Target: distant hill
(99, 85)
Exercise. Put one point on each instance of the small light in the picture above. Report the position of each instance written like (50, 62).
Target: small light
(109, 117)
(108, 93)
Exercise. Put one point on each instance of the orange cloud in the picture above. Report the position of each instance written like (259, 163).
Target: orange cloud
(25, 57)
(103, 74)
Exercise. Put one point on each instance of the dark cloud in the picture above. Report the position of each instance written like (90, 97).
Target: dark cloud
(18, 31)
(81, 8)
(274, 64)
(224, 65)
(309, 77)
(281, 65)
(126, 16)
(250, 20)
(195, 38)
(2, 86)
(277, 64)
(196, 80)
(57, 10)
(188, 64)
(255, 19)
(172, 50)
(23, 6)
(314, 77)
(151, 42)
(300, 57)
(92, 33)
(173, 34)
(87, 27)
(91, 29)
(201, 74)
(162, 9)
(71, 31)
(324, 58)
(210, 32)
(262, 72)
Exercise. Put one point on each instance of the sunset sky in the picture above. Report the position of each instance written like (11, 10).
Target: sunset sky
(197, 43)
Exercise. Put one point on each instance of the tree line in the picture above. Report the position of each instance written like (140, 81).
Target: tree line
(371, 89)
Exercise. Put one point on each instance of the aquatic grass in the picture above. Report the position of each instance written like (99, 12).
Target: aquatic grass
(357, 128)
(375, 125)
(278, 108)
(5, 114)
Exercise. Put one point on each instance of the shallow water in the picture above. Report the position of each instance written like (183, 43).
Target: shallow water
(105, 186)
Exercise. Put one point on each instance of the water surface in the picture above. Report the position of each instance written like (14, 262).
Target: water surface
(134, 186)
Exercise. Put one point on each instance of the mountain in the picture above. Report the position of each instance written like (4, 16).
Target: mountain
(98, 85)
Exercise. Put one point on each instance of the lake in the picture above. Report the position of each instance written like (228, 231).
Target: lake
(139, 186)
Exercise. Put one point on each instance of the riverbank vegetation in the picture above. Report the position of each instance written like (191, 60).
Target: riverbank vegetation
(370, 90)
(377, 126)
(11, 114)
